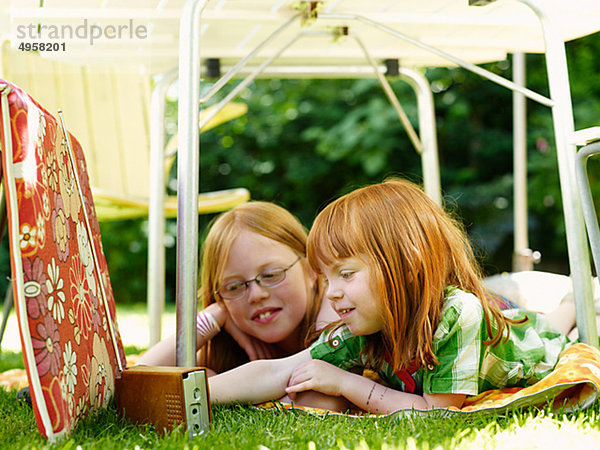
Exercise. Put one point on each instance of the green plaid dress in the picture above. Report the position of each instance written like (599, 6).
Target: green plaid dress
(465, 364)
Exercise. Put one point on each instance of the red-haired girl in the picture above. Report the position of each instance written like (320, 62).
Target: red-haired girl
(402, 277)
(259, 296)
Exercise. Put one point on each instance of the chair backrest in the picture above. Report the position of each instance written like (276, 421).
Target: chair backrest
(107, 108)
(589, 139)
(63, 298)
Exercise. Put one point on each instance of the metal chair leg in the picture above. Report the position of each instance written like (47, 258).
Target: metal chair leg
(8, 303)
(8, 298)
(586, 313)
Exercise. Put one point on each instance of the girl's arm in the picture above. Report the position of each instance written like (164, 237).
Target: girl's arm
(160, 354)
(365, 393)
(163, 353)
(256, 381)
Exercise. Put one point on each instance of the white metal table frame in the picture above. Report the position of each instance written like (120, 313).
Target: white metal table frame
(188, 166)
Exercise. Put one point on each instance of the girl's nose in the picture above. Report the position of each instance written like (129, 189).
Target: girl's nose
(333, 293)
(256, 292)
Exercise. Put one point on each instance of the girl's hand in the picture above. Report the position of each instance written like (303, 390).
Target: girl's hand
(318, 376)
(254, 348)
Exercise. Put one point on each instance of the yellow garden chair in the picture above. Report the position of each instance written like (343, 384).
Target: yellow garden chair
(108, 109)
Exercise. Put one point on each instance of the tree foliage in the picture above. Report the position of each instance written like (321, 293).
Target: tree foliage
(305, 142)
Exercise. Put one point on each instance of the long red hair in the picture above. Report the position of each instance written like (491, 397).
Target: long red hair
(414, 251)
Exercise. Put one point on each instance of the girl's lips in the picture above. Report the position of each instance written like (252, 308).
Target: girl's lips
(343, 312)
(265, 315)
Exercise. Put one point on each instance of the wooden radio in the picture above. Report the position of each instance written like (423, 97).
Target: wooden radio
(165, 397)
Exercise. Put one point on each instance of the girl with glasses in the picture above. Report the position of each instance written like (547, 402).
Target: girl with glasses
(260, 298)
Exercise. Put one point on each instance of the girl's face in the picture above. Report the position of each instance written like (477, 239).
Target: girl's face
(271, 314)
(351, 293)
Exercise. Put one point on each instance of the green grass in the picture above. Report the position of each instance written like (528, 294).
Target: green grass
(239, 427)
(244, 428)
(10, 360)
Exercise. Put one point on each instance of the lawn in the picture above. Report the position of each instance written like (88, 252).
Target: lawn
(240, 427)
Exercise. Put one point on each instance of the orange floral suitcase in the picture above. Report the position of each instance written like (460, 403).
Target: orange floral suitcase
(63, 298)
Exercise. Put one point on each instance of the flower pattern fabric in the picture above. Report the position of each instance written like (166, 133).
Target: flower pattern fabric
(71, 355)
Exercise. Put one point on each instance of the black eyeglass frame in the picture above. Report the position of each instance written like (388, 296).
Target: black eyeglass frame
(257, 280)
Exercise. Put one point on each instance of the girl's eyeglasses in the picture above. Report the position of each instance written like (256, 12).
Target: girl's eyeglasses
(267, 278)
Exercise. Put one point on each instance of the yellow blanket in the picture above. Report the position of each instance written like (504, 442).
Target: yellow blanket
(574, 384)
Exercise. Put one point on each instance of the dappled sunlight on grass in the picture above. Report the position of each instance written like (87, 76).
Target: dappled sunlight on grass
(544, 432)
